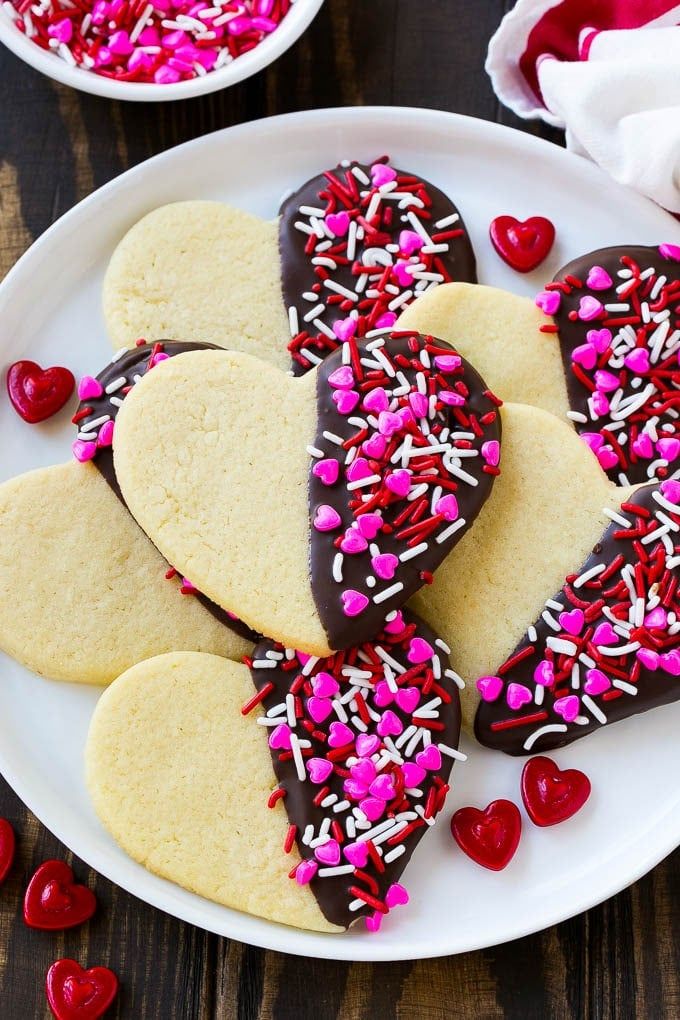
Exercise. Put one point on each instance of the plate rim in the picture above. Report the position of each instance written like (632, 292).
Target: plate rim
(273, 935)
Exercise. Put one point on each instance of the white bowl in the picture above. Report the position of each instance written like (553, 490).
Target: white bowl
(282, 38)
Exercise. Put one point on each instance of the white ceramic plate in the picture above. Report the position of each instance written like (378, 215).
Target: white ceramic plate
(50, 312)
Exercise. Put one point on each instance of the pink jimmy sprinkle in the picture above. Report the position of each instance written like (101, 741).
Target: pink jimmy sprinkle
(164, 42)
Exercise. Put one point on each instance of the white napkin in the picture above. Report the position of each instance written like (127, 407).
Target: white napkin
(621, 107)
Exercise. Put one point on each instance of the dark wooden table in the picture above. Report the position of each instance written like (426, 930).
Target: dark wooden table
(619, 960)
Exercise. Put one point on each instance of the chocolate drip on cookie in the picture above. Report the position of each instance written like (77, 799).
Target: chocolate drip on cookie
(358, 244)
(362, 774)
(618, 318)
(406, 451)
(101, 398)
(606, 647)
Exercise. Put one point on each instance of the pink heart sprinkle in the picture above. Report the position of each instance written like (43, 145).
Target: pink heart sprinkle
(597, 682)
(62, 31)
(430, 759)
(594, 440)
(88, 387)
(105, 437)
(604, 635)
(319, 769)
(589, 308)
(83, 451)
(407, 698)
(608, 458)
(346, 400)
(376, 400)
(567, 707)
(157, 358)
(572, 621)
(358, 469)
(399, 482)
(419, 650)
(383, 788)
(405, 414)
(451, 399)
(328, 853)
(383, 694)
(369, 525)
(327, 470)
(367, 744)
(491, 452)
(517, 695)
(447, 506)
(548, 301)
(413, 775)
(670, 490)
(342, 378)
(606, 381)
(338, 223)
(326, 518)
(642, 446)
(489, 687)
(353, 602)
(670, 251)
(544, 674)
(599, 279)
(375, 446)
(339, 735)
(353, 542)
(389, 423)
(305, 872)
(600, 339)
(670, 662)
(319, 708)
(401, 271)
(356, 854)
(389, 724)
(448, 362)
(420, 405)
(668, 448)
(354, 790)
(638, 360)
(119, 43)
(381, 174)
(385, 565)
(585, 355)
(396, 625)
(372, 807)
(409, 242)
(656, 619)
(324, 685)
(386, 320)
(648, 657)
(373, 921)
(363, 771)
(396, 896)
(344, 329)
(599, 403)
(302, 657)
(279, 738)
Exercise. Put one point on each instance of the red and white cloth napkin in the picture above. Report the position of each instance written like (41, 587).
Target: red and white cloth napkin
(608, 71)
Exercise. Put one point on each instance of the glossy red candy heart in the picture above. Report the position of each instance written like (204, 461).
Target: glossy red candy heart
(551, 795)
(7, 848)
(77, 994)
(53, 901)
(38, 393)
(490, 837)
(523, 245)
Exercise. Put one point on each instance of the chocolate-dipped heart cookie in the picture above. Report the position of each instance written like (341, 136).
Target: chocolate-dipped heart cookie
(358, 243)
(309, 507)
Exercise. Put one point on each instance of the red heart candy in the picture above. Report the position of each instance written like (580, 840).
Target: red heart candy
(7, 848)
(523, 245)
(490, 837)
(53, 901)
(551, 795)
(77, 994)
(38, 393)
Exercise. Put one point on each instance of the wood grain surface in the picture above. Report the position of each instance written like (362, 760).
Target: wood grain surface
(620, 960)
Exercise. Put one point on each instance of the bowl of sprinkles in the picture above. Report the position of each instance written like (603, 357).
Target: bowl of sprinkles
(152, 50)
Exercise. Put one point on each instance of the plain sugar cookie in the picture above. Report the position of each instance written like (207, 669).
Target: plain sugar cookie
(83, 593)
(309, 507)
(198, 270)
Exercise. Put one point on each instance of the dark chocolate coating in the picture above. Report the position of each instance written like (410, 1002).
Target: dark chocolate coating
(344, 631)
(135, 362)
(298, 274)
(332, 893)
(655, 688)
(573, 332)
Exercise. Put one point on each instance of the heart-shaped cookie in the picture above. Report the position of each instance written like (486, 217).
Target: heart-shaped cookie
(313, 830)
(358, 243)
(83, 593)
(618, 317)
(210, 438)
